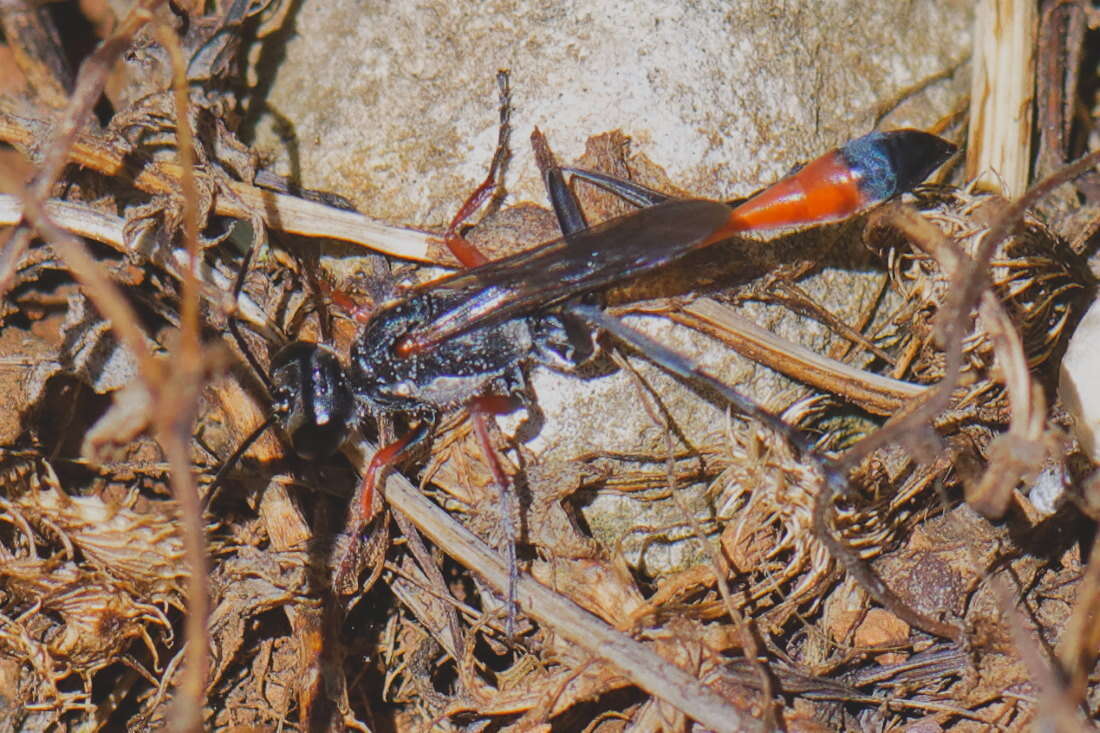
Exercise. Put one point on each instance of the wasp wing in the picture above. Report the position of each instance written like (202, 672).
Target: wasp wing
(578, 263)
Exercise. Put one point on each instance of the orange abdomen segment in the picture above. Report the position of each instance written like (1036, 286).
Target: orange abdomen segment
(827, 189)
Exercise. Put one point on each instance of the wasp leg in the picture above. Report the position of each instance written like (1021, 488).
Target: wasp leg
(360, 312)
(835, 475)
(637, 194)
(566, 209)
(481, 409)
(561, 342)
(463, 250)
(570, 218)
(347, 555)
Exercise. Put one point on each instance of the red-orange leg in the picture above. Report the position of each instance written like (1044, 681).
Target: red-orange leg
(358, 312)
(365, 505)
(481, 409)
(463, 250)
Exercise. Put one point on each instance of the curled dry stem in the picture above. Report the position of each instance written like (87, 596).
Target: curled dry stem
(176, 410)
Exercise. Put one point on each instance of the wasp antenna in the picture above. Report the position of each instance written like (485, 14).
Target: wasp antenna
(234, 459)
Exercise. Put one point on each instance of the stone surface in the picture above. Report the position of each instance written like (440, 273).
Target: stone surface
(1079, 386)
(394, 104)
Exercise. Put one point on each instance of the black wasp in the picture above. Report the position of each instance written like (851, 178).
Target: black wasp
(467, 336)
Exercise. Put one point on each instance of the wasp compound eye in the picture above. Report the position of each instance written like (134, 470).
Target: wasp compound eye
(312, 397)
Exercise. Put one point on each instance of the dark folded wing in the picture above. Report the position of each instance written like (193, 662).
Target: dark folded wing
(588, 260)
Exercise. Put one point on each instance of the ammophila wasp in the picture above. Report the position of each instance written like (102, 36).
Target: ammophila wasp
(466, 338)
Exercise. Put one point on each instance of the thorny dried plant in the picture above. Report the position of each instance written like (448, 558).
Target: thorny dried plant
(103, 527)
